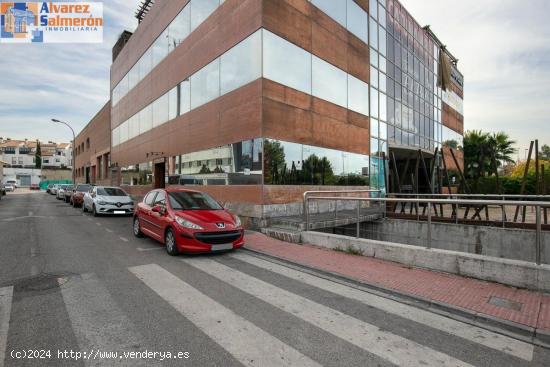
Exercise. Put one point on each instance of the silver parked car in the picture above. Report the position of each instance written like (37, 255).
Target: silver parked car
(54, 188)
(108, 200)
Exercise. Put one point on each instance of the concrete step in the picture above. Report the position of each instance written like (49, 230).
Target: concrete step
(287, 235)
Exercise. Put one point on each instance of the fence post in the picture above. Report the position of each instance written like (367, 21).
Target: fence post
(538, 236)
(358, 216)
(429, 225)
(306, 212)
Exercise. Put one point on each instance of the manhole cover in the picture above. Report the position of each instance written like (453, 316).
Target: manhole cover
(505, 303)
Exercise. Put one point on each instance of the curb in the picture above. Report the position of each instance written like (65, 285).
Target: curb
(511, 329)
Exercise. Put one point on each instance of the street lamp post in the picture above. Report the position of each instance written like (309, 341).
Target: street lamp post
(73, 147)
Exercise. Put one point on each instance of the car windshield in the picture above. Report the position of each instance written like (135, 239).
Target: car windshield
(69, 188)
(192, 201)
(83, 188)
(110, 191)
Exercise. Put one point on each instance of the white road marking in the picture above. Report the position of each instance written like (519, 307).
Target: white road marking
(97, 321)
(248, 343)
(33, 252)
(34, 270)
(391, 347)
(30, 214)
(471, 333)
(6, 296)
(109, 230)
(123, 239)
(150, 249)
(97, 223)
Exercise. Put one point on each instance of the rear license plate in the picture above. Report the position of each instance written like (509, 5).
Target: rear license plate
(225, 246)
(119, 212)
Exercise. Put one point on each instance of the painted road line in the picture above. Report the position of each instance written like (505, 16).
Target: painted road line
(463, 330)
(249, 344)
(97, 321)
(391, 347)
(123, 239)
(149, 249)
(6, 297)
(109, 230)
(98, 224)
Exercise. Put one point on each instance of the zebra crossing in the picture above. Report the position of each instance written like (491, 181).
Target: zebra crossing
(100, 323)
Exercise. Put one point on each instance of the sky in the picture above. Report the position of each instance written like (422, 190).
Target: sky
(503, 47)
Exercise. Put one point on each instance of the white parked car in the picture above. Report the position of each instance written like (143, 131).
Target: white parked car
(9, 186)
(12, 183)
(54, 189)
(60, 192)
(108, 200)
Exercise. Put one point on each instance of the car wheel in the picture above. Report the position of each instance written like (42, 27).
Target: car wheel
(84, 210)
(137, 228)
(94, 212)
(170, 242)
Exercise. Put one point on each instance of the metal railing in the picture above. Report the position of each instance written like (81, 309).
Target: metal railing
(538, 205)
(307, 196)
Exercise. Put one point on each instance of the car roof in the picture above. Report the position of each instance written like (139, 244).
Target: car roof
(179, 189)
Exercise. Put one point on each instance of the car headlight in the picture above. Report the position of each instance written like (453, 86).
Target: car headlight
(237, 220)
(187, 224)
(102, 202)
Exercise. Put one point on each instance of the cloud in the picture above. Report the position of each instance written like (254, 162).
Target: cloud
(504, 53)
(65, 81)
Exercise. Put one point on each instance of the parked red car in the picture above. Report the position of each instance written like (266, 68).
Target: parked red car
(187, 221)
(77, 197)
(35, 187)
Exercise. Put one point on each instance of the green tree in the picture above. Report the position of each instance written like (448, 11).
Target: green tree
(545, 152)
(274, 162)
(38, 156)
(482, 149)
(503, 147)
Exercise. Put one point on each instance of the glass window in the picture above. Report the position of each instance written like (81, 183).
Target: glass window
(180, 28)
(296, 164)
(334, 9)
(205, 84)
(148, 200)
(146, 119)
(329, 82)
(145, 64)
(133, 129)
(133, 76)
(160, 110)
(160, 199)
(110, 191)
(286, 63)
(373, 127)
(382, 41)
(358, 20)
(383, 107)
(124, 132)
(242, 64)
(382, 16)
(200, 10)
(115, 137)
(374, 77)
(373, 57)
(374, 103)
(373, 8)
(140, 174)
(192, 201)
(173, 103)
(185, 97)
(373, 34)
(160, 48)
(383, 132)
(358, 95)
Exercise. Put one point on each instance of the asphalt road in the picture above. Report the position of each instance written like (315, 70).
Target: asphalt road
(79, 290)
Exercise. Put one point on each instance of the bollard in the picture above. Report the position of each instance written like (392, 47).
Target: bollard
(538, 236)
(503, 216)
(429, 226)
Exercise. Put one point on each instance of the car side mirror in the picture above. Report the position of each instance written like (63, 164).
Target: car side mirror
(159, 209)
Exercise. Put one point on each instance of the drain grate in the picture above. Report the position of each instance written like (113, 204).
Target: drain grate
(505, 303)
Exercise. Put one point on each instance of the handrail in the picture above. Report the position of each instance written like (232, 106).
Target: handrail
(504, 196)
(307, 193)
(501, 203)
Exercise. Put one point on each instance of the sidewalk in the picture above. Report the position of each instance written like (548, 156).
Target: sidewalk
(489, 300)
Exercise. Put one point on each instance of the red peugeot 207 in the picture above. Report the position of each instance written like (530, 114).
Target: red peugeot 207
(187, 221)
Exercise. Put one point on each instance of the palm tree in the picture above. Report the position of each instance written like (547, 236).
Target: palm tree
(502, 147)
(476, 156)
